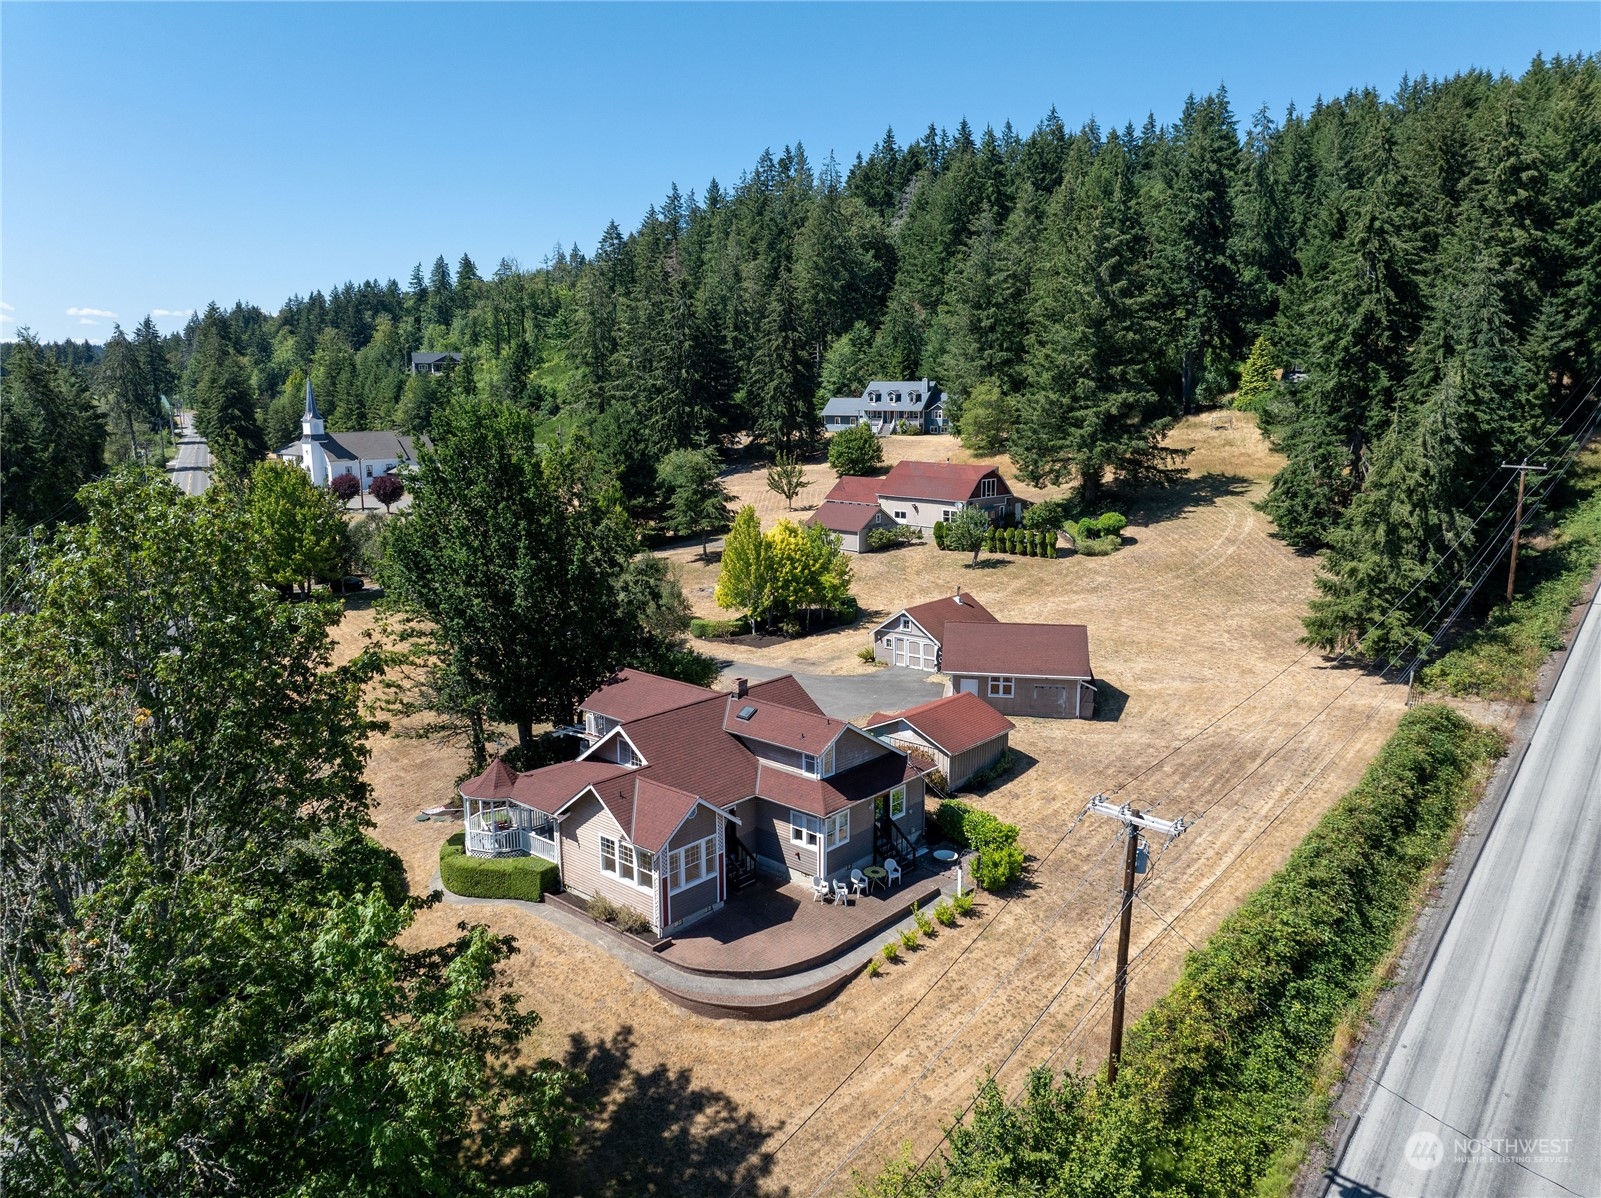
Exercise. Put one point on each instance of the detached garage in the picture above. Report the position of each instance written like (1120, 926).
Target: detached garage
(851, 522)
(1023, 669)
(912, 636)
(961, 732)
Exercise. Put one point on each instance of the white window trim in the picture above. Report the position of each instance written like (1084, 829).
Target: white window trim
(1002, 686)
(804, 830)
(838, 828)
(621, 848)
(897, 796)
(899, 514)
(676, 864)
(808, 764)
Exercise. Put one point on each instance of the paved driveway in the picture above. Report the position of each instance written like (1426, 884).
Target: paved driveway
(850, 696)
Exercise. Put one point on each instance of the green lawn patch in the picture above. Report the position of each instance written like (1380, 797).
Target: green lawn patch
(526, 878)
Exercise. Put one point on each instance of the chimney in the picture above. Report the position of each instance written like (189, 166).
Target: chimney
(741, 687)
(958, 595)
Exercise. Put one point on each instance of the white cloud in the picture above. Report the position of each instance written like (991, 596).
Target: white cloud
(172, 311)
(91, 312)
(8, 319)
(86, 320)
(5, 307)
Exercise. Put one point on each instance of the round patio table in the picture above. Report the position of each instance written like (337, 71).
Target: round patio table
(948, 857)
(875, 875)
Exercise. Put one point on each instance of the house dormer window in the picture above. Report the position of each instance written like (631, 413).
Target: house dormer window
(986, 487)
(808, 765)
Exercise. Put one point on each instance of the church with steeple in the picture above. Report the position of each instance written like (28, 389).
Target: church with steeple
(367, 455)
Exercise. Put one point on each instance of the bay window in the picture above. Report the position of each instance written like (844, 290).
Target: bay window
(627, 863)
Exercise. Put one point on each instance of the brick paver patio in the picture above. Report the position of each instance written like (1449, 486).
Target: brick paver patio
(771, 929)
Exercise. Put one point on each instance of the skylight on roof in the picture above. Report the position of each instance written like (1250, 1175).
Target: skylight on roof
(746, 712)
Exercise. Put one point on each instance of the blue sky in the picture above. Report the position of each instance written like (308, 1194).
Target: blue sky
(154, 157)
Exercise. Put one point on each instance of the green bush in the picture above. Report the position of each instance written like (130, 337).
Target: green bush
(1000, 860)
(525, 878)
(883, 538)
(963, 903)
(600, 907)
(939, 534)
(925, 925)
(1049, 515)
(1111, 524)
(1099, 546)
(989, 540)
(711, 630)
(855, 450)
(909, 939)
(1220, 1081)
(945, 912)
(874, 966)
(891, 951)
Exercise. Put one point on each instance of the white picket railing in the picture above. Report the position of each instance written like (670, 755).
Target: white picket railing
(510, 842)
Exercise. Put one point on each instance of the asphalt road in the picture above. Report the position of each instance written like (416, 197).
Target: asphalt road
(849, 696)
(1493, 1083)
(191, 469)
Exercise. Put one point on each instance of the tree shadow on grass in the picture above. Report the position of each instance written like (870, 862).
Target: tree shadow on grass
(657, 1132)
(990, 563)
(1153, 505)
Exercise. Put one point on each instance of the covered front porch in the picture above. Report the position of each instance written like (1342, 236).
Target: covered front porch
(502, 828)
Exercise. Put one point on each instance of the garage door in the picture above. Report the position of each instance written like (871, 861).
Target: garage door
(914, 652)
(1050, 699)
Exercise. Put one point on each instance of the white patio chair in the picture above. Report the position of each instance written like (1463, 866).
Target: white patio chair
(859, 882)
(892, 871)
(820, 890)
(842, 893)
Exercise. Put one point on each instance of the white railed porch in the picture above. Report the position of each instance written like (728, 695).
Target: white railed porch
(501, 828)
(510, 842)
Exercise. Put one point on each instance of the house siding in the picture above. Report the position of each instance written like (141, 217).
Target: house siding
(1034, 696)
(580, 858)
(858, 850)
(772, 842)
(964, 765)
(687, 905)
(853, 748)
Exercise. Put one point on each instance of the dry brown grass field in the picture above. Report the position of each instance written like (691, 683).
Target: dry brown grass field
(1210, 710)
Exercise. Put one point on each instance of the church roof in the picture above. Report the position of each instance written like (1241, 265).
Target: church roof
(311, 412)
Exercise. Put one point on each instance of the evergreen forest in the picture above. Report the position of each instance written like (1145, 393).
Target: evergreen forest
(1403, 287)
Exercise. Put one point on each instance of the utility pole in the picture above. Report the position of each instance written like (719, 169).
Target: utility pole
(1132, 822)
(1523, 469)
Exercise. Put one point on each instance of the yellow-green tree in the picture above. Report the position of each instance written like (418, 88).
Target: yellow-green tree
(296, 529)
(1256, 376)
(742, 581)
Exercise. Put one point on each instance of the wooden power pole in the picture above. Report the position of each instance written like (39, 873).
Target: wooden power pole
(1132, 822)
(1523, 469)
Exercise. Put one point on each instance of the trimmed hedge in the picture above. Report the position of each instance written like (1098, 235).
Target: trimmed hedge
(1224, 1081)
(1000, 860)
(526, 878)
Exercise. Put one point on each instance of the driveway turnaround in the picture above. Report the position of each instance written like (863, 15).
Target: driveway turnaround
(1493, 1083)
(851, 696)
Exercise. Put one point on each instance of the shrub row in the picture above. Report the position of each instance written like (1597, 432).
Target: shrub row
(1100, 535)
(526, 878)
(712, 630)
(1025, 542)
(901, 534)
(1000, 859)
(1219, 1088)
